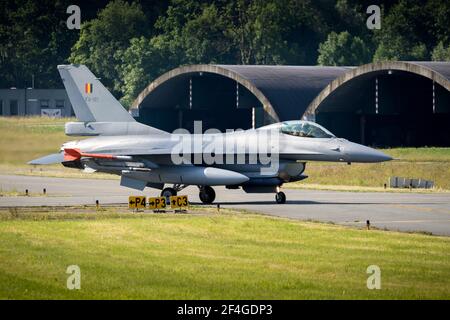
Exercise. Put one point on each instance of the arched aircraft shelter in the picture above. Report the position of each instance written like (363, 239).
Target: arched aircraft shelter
(381, 104)
(230, 97)
(389, 104)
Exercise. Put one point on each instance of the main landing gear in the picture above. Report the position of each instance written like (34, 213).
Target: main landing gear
(169, 192)
(207, 194)
(280, 197)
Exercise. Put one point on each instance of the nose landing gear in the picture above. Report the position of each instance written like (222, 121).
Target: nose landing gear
(207, 194)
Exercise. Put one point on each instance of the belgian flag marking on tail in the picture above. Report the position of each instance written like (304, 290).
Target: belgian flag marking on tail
(88, 88)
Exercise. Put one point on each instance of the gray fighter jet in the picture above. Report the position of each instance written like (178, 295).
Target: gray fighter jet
(256, 160)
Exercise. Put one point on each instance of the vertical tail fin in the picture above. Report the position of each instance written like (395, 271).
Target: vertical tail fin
(90, 100)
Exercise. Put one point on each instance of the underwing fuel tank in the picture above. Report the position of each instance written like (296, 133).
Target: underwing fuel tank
(190, 175)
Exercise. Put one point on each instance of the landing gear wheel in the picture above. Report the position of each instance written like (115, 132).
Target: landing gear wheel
(168, 192)
(280, 197)
(207, 195)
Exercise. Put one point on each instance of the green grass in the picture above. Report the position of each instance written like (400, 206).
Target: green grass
(15, 193)
(205, 255)
(27, 138)
(377, 174)
(420, 154)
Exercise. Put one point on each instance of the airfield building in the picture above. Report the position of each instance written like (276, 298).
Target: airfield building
(29, 101)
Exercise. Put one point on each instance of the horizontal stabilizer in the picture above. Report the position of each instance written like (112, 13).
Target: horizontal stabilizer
(49, 159)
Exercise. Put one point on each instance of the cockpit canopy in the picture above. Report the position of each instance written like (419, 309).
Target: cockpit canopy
(305, 129)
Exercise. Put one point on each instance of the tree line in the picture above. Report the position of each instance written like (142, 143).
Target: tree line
(130, 43)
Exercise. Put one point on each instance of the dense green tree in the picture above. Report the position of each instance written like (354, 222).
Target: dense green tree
(130, 42)
(437, 21)
(190, 32)
(256, 30)
(277, 31)
(195, 32)
(343, 50)
(441, 52)
(350, 16)
(33, 40)
(403, 34)
(238, 31)
(143, 61)
(101, 38)
(245, 31)
(203, 38)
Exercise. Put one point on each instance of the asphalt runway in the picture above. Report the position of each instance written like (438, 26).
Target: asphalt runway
(393, 211)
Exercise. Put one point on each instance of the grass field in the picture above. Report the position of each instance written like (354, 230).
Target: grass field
(425, 163)
(205, 255)
(24, 139)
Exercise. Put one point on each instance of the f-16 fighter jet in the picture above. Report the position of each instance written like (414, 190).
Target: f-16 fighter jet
(257, 160)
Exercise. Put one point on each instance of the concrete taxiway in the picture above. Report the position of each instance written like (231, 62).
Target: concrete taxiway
(426, 212)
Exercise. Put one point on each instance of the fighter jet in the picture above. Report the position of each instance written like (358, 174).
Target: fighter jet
(256, 160)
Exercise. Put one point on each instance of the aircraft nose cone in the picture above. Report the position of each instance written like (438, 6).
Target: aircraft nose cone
(359, 153)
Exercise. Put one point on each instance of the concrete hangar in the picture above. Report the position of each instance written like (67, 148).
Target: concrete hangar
(378, 104)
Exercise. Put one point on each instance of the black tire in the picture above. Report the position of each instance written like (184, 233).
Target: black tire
(207, 195)
(168, 192)
(280, 197)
